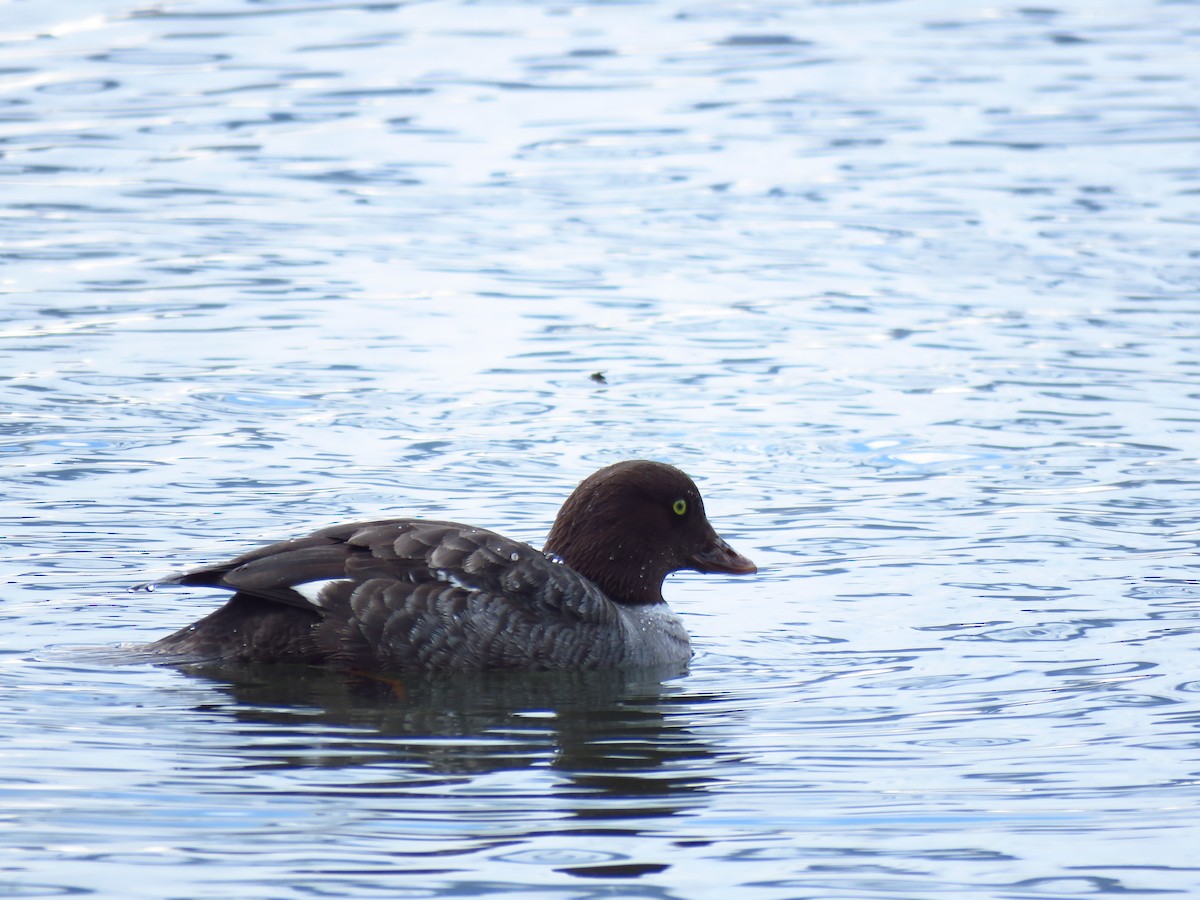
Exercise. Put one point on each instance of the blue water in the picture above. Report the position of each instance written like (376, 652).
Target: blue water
(911, 288)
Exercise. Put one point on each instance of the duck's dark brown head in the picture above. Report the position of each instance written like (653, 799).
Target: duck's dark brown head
(631, 524)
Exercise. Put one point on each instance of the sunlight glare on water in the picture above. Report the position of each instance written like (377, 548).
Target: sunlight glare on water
(909, 288)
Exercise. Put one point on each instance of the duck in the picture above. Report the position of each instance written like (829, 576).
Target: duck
(417, 595)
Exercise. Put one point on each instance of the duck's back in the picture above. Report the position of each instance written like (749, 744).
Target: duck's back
(405, 594)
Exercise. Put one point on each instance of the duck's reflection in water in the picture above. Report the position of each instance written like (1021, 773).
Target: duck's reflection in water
(604, 735)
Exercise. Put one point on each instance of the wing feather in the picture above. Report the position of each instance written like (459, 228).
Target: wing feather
(406, 593)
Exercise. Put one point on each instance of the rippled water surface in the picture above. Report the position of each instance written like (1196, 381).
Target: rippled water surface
(912, 288)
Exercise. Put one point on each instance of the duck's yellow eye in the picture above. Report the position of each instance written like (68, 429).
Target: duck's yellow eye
(680, 507)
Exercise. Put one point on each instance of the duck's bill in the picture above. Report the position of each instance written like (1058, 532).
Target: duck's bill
(720, 557)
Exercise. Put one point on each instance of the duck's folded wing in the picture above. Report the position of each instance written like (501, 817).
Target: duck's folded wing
(413, 594)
